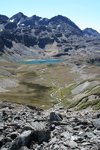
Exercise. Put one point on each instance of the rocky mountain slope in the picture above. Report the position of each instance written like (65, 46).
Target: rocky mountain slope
(22, 36)
(91, 33)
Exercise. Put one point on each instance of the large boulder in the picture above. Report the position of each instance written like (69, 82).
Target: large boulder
(55, 117)
(21, 140)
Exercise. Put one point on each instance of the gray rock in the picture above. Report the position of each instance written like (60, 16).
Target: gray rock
(96, 123)
(86, 143)
(55, 117)
(20, 141)
(12, 135)
(62, 147)
(1, 126)
(52, 127)
(98, 115)
(7, 145)
(27, 127)
(1, 141)
(43, 135)
(56, 146)
(53, 140)
(23, 148)
(90, 135)
(66, 135)
(70, 144)
(97, 132)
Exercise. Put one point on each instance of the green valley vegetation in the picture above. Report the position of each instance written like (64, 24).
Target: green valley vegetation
(46, 85)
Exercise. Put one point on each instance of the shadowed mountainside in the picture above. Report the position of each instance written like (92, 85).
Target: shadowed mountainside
(22, 36)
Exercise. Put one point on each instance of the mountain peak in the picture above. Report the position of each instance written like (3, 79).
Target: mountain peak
(35, 17)
(91, 33)
(62, 19)
(18, 17)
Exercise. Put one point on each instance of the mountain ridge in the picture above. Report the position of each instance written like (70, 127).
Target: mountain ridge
(20, 13)
(22, 36)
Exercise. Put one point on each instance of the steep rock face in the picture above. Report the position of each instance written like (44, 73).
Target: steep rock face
(64, 24)
(5, 40)
(45, 40)
(10, 26)
(29, 40)
(91, 33)
(1, 46)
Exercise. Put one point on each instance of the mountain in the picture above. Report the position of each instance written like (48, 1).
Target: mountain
(31, 21)
(91, 33)
(3, 19)
(18, 18)
(22, 36)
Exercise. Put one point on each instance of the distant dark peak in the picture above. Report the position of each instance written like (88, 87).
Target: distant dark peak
(91, 33)
(90, 29)
(18, 17)
(34, 17)
(60, 18)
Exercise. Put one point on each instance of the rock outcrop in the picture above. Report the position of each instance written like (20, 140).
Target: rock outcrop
(10, 26)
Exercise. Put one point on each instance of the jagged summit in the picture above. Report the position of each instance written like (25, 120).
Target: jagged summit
(19, 17)
(63, 19)
(34, 36)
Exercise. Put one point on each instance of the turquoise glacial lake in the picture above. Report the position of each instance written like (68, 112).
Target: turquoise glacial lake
(40, 61)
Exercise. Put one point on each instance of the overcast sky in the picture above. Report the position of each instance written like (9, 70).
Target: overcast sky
(84, 13)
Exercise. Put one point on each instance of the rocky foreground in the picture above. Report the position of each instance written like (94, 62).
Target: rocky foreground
(26, 127)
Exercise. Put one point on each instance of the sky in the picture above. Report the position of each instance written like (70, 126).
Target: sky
(84, 13)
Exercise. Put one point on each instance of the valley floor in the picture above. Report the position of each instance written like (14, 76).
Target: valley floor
(75, 86)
